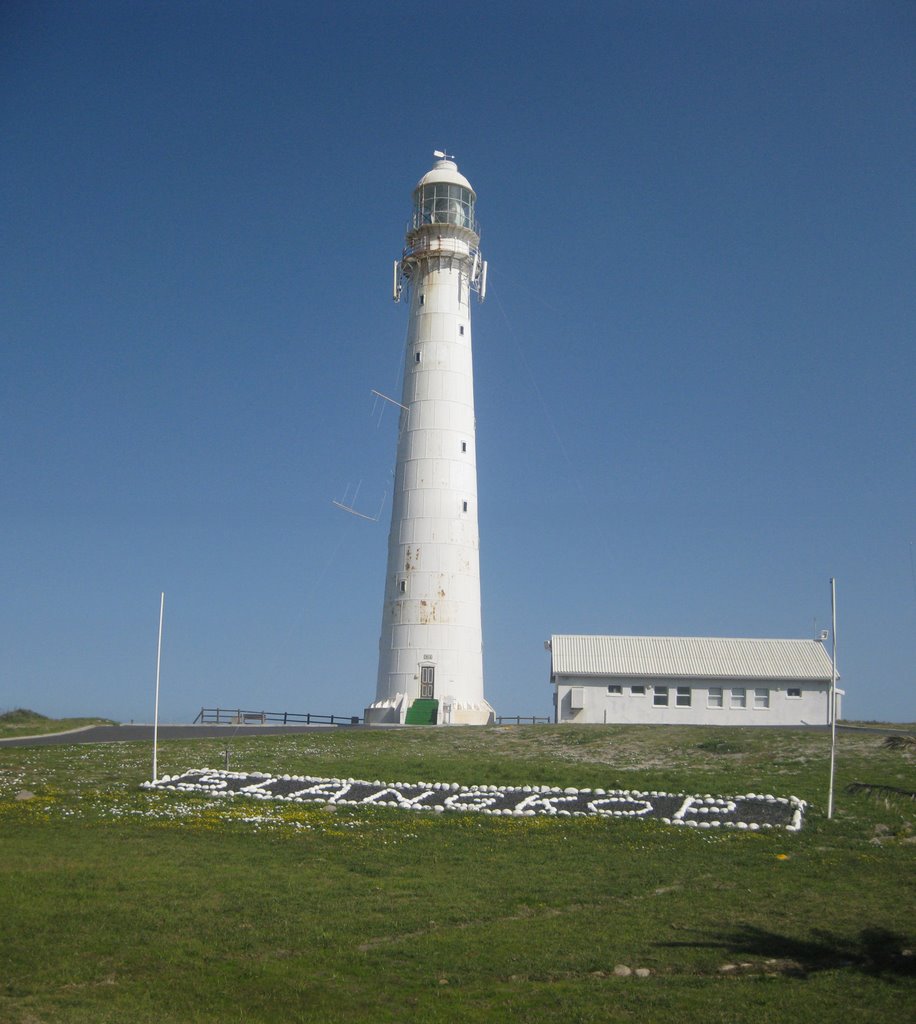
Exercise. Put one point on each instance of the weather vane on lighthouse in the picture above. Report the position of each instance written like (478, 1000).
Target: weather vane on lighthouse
(430, 650)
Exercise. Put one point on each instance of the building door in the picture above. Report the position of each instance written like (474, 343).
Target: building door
(427, 680)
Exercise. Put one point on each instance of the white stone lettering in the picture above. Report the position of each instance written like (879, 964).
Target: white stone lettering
(751, 812)
(324, 791)
(538, 803)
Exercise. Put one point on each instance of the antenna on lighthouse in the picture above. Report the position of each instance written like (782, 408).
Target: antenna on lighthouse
(347, 503)
(347, 506)
(378, 394)
(353, 512)
(442, 155)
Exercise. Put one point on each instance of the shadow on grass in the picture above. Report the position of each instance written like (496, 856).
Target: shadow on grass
(874, 951)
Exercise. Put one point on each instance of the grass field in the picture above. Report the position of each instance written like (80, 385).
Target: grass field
(22, 722)
(118, 904)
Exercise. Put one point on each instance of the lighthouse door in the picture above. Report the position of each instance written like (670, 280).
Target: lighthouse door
(427, 680)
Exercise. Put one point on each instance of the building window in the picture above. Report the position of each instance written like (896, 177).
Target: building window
(714, 697)
(422, 300)
(464, 506)
(638, 691)
(464, 447)
(402, 586)
(660, 697)
(416, 357)
(794, 692)
(615, 689)
(739, 697)
(761, 697)
(682, 697)
(461, 329)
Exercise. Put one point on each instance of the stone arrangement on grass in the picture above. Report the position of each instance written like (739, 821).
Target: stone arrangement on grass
(752, 811)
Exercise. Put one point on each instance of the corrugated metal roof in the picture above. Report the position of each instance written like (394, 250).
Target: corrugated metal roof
(688, 657)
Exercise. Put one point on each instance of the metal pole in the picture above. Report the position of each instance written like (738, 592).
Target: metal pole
(156, 711)
(832, 697)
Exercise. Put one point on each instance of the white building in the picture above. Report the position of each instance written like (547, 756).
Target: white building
(690, 680)
(430, 649)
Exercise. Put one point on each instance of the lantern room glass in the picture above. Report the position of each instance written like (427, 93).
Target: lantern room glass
(441, 203)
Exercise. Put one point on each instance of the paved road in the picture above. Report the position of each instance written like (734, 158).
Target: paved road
(129, 733)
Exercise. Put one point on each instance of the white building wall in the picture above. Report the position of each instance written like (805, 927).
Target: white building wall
(432, 594)
(431, 616)
(598, 705)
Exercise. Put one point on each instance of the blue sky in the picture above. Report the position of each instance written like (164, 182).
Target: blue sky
(694, 366)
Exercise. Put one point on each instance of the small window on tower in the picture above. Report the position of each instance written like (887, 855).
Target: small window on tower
(464, 447)
(464, 506)
(402, 586)
(416, 357)
(422, 300)
(461, 329)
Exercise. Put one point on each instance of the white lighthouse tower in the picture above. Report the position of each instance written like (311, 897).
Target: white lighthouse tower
(430, 652)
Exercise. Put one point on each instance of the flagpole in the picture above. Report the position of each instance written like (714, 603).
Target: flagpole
(832, 697)
(156, 711)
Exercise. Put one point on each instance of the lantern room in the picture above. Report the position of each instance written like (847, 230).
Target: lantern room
(444, 196)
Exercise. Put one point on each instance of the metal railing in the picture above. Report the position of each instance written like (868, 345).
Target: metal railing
(239, 716)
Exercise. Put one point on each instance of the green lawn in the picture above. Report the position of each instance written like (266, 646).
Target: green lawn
(118, 904)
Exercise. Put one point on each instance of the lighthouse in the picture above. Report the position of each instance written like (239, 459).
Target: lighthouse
(430, 668)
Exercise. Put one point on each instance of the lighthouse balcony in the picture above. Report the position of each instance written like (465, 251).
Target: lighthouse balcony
(458, 243)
